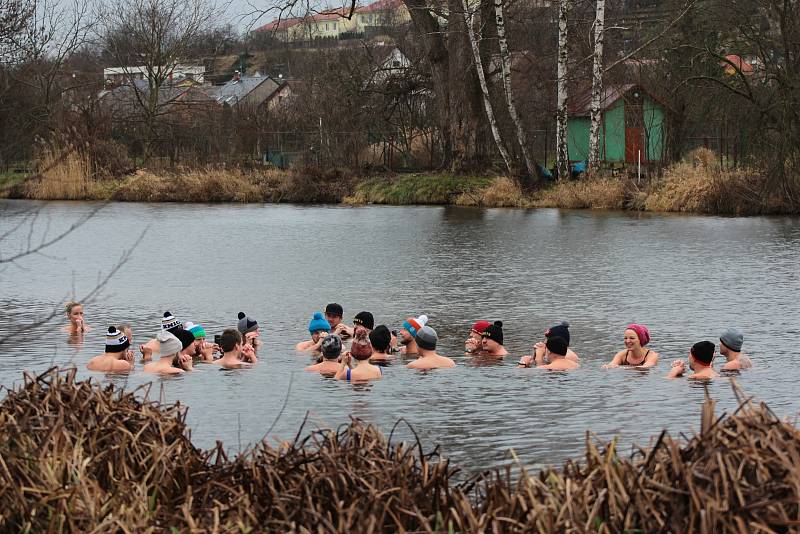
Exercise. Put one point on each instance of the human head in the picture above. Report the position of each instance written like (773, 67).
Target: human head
(410, 328)
(559, 330)
(186, 338)
(702, 353)
(492, 337)
(364, 319)
(126, 329)
(331, 347)
(731, 339)
(317, 325)
(334, 313)
(170, 323)
(477, 329)
(246, 324)
(230, 339)
(116, 340)
(361, 349)
(380, 338)
(640, 333)
(74, 311)
(427, 338)
(198, 332)
(557, 345)
(169, 345)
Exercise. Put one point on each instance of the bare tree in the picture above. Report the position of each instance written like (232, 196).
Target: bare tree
(562, 151)
(505, 65)
(14, 18)
(469, 21)
(597, 85)
(148, 38)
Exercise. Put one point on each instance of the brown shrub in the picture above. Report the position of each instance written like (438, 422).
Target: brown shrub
(502, 192)
(63, 172)
(699, 185)
(599, 192)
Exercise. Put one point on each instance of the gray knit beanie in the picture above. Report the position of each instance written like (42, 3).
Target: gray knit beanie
(733, 339)
(427, 338)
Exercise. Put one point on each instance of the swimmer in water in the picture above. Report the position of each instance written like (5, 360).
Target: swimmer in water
(636, 337)
(540, 352)
(557, 348)
(248, 327)
(76, 326)
(380, 339)
(203, 352)
(360, 352)
(473, 342)
(407, 335)
(701, 356)
(116, 358)
(428, 358)
(235, 354)
(331, 350)
(492, 341)
(730, 346)
(168, 324)
(171, 361)
(318, 327)
(333, 314)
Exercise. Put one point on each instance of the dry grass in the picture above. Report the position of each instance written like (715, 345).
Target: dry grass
(63, 172)
(208, 185)
(78, 457)
(700, 185)
(600, 192)
(502, 192)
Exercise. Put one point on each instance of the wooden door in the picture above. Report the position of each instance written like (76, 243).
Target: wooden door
(634, 128)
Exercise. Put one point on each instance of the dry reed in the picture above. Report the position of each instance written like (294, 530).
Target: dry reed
(598, 192)
(63, 172)
(78, 457)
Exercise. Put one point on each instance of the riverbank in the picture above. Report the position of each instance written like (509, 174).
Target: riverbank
(699, 185)
(80, 457)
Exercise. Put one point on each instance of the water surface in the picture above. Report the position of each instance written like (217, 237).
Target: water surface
(686, 277)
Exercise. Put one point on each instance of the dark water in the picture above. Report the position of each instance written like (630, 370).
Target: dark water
(686, 277)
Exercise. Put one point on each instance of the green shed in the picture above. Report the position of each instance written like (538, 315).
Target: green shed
(633, 125)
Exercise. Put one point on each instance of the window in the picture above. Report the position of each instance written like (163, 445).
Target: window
(326, 26)
(334, 26)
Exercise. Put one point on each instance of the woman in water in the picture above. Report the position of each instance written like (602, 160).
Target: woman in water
(361, 350)
(74, 311)
(635, 355)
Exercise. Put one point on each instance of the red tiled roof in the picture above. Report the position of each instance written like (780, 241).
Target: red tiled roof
(738, 63)
(581, 104)
(380, 5)
(330, 14)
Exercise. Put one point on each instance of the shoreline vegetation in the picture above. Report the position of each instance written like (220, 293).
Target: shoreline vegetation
(80, 457)
(698, 185)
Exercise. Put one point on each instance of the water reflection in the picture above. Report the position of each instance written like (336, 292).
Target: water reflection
(687, 278)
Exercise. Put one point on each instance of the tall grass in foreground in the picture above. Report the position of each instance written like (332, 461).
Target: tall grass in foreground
(78, 457)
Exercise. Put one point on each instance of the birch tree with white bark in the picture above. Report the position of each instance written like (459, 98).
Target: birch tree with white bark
(505, 66)
(562, 151)
(469, 18)
(596, 114)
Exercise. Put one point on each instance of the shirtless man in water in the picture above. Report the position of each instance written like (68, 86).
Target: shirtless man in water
(318, 327)
(701, 355)
(428, 358)
(408, 334)
(171, 361)
(235, 355)
(117, 358)
(557, 348)
(331, 350)
(492, 341)
(730, 346)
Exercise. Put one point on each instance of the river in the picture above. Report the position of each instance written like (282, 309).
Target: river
(686, 277)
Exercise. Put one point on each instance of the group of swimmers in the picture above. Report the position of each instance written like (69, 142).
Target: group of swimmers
(357, 352)
(416, 338)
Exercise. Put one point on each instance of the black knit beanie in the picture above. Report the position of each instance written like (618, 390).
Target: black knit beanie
(557, 345)
(364, 319)
(494, 332)
(559, 330)
(186, 338)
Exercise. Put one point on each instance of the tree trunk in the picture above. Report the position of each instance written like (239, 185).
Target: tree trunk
(597, 86)
(505, 65)
(487, 102)
(562, 152)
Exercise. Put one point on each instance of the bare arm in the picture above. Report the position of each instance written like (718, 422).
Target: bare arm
(650, 361)
(344, 365)
(677, 370)
(735, 365)
(616, 360)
